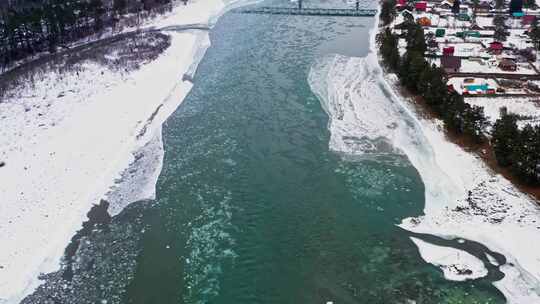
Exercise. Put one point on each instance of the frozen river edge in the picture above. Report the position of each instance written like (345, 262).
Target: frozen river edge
(463, 198)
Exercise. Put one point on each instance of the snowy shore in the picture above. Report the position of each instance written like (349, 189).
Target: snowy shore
(463, 198)
(69, 137)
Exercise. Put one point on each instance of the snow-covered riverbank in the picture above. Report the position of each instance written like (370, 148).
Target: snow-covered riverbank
(463, 198)
(67, 137)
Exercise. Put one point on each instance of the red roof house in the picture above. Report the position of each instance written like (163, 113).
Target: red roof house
(420, 6)
(496, 47)
(448, 51)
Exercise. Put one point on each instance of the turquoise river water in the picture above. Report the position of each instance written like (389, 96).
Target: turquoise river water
(253, 207)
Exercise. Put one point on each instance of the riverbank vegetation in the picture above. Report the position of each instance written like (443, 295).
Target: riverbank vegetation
(514, 147)
(517, 148)
(30, 27)
(429, 82)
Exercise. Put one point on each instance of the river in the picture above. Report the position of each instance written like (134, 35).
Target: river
(253, 207)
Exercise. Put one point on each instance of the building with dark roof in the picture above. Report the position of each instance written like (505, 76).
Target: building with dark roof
(451, 64)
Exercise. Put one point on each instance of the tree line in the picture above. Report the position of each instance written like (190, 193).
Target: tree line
(28, 27)
(515, 148)
(430, 82)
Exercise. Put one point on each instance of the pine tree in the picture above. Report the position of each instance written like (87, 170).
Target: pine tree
(388, 43)
(475, 8)
(535, 33)
(411, 70)
(522, 154)
(474, 123)
(119, 6)
(456, 6)
(499, 20)
(388, 11)
(97, 9)
(516, 6)
(416, 41)
(529, 3)
(500, 34)
(505, 135)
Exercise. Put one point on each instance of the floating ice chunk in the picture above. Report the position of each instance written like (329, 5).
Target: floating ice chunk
(457, 265)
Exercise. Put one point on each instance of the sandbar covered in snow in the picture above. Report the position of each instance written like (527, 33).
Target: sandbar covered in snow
(67, 136)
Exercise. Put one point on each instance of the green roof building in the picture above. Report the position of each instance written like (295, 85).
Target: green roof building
(464, 17)
(440, 32)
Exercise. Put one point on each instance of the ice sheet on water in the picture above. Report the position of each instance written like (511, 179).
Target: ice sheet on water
(361, 103)
(457, 265)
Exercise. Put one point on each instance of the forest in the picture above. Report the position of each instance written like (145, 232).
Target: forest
(30, 27)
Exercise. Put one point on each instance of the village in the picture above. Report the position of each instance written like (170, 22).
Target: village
(488, 50)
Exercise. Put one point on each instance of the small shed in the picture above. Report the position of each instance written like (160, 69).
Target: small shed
(445, 5)
(420, 6)
(448, 51)
(496, 47)
(401, 4)
(507, 65)
(451, 64)
(423, 21)
(466, 34)
(483, 7)
(463, 17)
(528, 54)
(477, 27)
(440, 32)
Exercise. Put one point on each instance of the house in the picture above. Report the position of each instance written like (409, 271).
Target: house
(448, 51)
(496, 47)
(507, 65)
(420, 6)
(465, 34)
(528, 19)
(433, 44)
(518, 14)
(463, 17)
(423, 21)
(451, 64)
(446, 5)
(478, 59)
(476, 27)
(483, 7)
(401, 4)
(407, 14)
(440, 33)
(528, 54)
